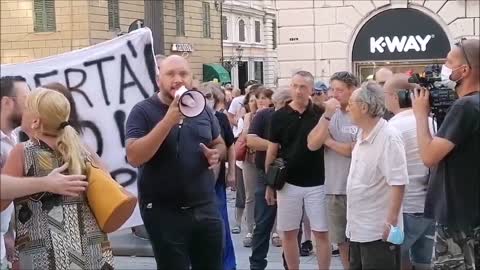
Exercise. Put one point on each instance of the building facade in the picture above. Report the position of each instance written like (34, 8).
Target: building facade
(32, 29)
(360, 36)
(192, 29)
(249, 41)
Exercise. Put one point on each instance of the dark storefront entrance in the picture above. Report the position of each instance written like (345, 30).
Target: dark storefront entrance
(402, 39)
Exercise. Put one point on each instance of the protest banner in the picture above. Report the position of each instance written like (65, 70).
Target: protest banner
(107, 80)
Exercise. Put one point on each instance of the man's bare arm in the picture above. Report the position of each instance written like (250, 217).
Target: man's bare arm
(142, 149)
(219, 144)
(396, 199)
(344, 149)
(317, 137)
(256, 143)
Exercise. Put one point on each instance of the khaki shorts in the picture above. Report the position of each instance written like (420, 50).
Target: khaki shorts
(337, 218)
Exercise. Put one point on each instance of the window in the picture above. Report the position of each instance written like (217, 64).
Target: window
(224, 28)
(113, 15)
(206, 19)
(258, 69)
(180, 18)
(241, 30)
(257, 31)
(274, 34)
(44, 18)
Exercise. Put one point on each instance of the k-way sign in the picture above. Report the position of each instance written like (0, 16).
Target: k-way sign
(400, 34)
(399, 44)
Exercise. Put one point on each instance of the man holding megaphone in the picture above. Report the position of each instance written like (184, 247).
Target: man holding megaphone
(175, 142)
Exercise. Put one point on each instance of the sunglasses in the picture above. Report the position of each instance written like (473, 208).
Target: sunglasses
(460, 44)
(317, 94)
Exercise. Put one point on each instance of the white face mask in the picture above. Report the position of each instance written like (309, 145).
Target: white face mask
(445, 74)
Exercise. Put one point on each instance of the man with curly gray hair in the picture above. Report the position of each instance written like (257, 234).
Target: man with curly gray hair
(375, 185)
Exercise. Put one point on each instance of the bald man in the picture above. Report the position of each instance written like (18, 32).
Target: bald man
(453, 196)
(176, 184)
(382, 75)
(419, 231)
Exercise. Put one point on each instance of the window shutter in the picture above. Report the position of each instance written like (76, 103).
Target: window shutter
(241, 30)
(113, 15)
(274, 34)
(206, 19)
(180, 18)
(224, 28)
(44, 16)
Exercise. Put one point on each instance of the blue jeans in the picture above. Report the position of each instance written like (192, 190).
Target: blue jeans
(419, 233)
(229, 262)
(264, 220)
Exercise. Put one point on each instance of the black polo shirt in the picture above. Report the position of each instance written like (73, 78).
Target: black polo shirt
(178, 174)
(453, 196)
(259, 127)
(290, 129)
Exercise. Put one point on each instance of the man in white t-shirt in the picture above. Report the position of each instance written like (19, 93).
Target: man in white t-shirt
(235, 111)
(419, 231)
(375, 184)
(13, 93)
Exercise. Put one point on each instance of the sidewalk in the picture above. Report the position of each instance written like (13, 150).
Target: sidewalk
(125, 245)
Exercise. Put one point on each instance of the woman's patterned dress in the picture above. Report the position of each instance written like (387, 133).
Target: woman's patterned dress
(54, 231)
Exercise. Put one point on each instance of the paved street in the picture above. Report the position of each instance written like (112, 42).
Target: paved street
(124, 244)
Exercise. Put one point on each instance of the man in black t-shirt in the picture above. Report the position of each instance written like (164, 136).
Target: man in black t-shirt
(289, 128)
(453, 197)
(175, 181)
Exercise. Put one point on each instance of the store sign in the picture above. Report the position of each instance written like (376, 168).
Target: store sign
(400, 34)
(397, 44)
(182, 47)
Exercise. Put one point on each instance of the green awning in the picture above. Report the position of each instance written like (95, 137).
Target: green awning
(212, 71)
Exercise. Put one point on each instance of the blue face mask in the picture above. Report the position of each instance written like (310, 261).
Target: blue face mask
(396, 235)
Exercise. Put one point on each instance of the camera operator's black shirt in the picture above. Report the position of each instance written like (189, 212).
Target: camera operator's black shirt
(453, 196)
(290, 129)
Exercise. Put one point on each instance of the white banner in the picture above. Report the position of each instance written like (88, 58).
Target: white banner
(109, 79)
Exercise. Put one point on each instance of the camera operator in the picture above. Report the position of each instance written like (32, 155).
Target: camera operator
(419, 231)
(453, 196)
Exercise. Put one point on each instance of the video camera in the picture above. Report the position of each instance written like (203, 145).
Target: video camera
(441, 97)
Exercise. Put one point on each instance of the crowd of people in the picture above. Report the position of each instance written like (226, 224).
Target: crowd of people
(367, 171)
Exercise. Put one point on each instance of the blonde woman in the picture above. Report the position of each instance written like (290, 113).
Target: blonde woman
(54, 231)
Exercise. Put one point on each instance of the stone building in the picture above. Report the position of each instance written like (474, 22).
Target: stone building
(360, 36)
(32, 29)
(249, 41)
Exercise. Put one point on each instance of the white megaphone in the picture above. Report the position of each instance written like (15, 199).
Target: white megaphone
(191, 102)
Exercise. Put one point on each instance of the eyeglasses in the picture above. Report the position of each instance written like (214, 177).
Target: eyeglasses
(317, 94)
(460, 44)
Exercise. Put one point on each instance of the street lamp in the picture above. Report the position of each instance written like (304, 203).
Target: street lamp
(235, 60)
